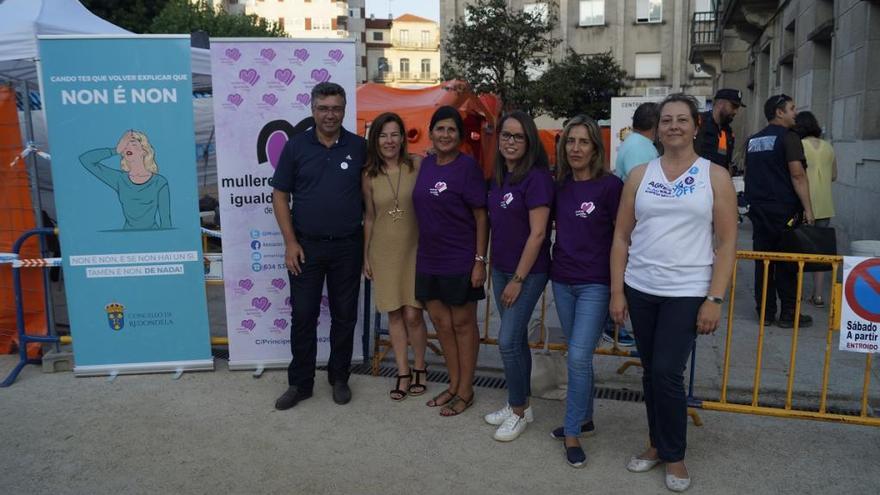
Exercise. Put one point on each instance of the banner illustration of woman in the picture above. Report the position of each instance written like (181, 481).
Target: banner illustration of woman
(143, 193)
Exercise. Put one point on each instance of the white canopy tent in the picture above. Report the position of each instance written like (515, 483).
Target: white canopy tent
(21, 21)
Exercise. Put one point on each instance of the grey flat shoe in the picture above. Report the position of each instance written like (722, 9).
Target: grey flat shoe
(637, 465)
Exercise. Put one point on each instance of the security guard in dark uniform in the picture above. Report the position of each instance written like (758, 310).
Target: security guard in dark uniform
(715, 140)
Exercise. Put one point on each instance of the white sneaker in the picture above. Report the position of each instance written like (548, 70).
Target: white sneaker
(511, 428)
(498, 417)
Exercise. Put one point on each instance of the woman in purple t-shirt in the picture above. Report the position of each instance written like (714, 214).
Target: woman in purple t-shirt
(585, 210)
(449, 198)
(519, 210)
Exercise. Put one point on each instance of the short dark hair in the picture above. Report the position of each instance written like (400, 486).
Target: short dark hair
(448, 112)
(774, 103)
(327, 89)
(535, 155)
(646, 116)
(806, 125)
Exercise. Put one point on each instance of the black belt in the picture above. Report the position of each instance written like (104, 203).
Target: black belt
(325, 238)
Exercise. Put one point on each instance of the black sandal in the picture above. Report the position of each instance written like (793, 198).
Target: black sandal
(417, 388)
(435, 402)
(399, 394)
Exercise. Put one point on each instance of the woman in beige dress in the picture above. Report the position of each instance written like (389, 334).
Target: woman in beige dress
(390, 241)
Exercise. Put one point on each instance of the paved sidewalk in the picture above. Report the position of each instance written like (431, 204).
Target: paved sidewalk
(218, 433)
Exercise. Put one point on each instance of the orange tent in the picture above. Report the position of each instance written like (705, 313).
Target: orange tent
(415, 107)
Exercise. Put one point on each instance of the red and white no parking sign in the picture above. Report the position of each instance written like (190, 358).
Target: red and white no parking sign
(860, 308)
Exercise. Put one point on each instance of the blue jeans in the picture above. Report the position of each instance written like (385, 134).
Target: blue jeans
(582, 311)
(513, 338)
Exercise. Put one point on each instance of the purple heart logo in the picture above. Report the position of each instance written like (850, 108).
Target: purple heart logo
(281, 323)
(303, 98)
(274, 147)
(261, 303)
(335, 55)
(270, 98)
(287, 302)
(285, 75)
(249, 324)
(249, 76)
(233, 53)
(320, 75)
(235, 99)
(246, 284)
(279, 283)
(301, 53)
(267, 53)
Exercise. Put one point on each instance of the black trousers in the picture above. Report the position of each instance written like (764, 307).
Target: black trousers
(665, 329)
(768, 222)
(339, 261)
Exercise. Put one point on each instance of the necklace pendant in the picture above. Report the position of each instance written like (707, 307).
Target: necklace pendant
(396, 214)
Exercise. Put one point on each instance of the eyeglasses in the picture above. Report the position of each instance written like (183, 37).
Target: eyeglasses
(326, 109)
(516, 138)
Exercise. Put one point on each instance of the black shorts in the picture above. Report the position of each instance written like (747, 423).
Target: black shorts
(453, 290)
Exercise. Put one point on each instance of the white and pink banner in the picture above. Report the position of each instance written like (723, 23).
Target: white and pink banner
(261, 98)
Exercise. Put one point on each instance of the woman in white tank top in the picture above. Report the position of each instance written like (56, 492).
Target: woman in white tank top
(671, 261)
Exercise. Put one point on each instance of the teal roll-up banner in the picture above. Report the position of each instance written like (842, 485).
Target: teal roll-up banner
(120, 122)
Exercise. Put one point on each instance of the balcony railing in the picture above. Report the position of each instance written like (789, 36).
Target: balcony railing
(425, 77)
(704, 29)
(433, 44)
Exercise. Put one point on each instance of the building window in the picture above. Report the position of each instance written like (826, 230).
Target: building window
(382, 65)
(426, 38)
(281, 23)
(648, 66)
(426, 68)
(404, 36)
(404, 68)
(649, 10)
(377, 35)
(538, 9)
(592, 13)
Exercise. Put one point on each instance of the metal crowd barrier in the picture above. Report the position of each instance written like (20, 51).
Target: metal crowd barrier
(382, 345)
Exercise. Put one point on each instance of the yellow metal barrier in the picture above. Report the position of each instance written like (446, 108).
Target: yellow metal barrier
(787, 409)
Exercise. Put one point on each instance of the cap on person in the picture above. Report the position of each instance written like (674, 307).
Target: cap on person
(732, 95)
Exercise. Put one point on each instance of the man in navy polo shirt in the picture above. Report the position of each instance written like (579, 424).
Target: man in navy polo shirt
(319, 209)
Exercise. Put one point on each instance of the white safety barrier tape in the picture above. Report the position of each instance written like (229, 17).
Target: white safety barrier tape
(212, 233)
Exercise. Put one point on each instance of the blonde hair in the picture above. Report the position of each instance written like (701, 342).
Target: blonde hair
(597, 162)
(149, 155)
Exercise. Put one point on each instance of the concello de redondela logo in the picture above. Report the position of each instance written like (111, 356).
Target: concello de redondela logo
(115, 316)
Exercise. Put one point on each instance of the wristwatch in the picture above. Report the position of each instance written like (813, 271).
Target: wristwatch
(517, 279)
(483, 259)
(716, 300)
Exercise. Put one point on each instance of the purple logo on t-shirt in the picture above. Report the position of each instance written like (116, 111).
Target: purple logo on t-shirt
(438, 188)
(586, 208)
(506, 200)
(689, 180)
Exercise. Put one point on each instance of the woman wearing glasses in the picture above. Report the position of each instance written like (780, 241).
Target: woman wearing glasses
(671, 261)
(390, 239)
(585, 208)
(520, 197)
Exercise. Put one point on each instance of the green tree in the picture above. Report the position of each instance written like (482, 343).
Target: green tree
(497, 50)
(581, 84)
(134, 15)
(184, 16)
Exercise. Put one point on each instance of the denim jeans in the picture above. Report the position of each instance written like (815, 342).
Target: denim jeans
(582, 311)
(513, 337)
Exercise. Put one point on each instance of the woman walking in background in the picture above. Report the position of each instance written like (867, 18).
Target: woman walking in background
(390, 240)
(519, 213)
(821, 172)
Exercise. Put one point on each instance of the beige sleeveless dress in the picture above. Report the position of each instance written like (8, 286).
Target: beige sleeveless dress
(392, 250)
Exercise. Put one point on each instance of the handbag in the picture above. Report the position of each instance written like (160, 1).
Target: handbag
(809, 239)
(549, 378)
